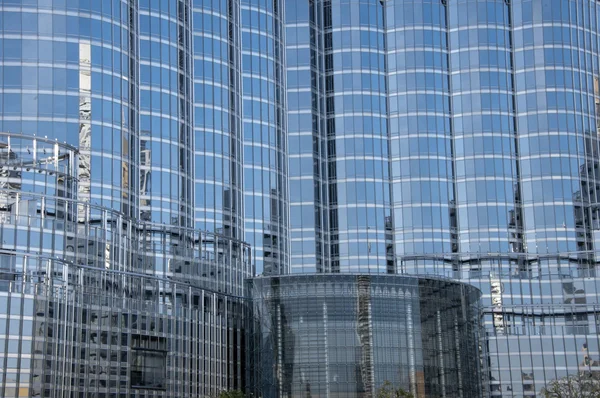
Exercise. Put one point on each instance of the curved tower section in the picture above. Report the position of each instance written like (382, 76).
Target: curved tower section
(556, 95)
(307, 149)
(70, 74)
(556, 69)
(357, 136)
(265, 136)
(217, 117)
(483, 126)
(422, 142)
(166, 112)
(70, 78)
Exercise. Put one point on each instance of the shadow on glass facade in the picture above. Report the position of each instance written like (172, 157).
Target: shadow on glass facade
(344, 335)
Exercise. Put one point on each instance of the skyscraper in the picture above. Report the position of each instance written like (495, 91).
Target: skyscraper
(121, 260)
(265, 139)
(456, 138)
(143, 141)
(339, 160)
(218, 140)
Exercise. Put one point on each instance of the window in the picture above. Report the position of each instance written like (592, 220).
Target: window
(149, 362)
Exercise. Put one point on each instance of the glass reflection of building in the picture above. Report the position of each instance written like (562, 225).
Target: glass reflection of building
(339, 146)
(307, 150)
(344, 335)
(265, 139)
(489, 109)
(105, 287)
(165, 95)
(357, 136)
(217, 117)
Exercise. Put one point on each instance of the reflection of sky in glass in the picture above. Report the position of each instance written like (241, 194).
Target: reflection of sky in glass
(105, 128)
(41, 90)
(217, 112)
(489, 111)
(165, 114)
(265, 140)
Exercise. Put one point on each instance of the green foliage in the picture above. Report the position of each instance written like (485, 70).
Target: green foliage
(581, 385)
(387, 390)
(231, 394)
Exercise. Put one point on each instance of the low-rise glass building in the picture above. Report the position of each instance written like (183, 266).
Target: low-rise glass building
(346, 335)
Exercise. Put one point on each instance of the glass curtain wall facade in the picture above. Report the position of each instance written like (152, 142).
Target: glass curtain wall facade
(307, 151)
(218, 144)
(357, 136)
(59, 88)
(105, 138)
(418, 334)
(166, 112)
(490, 113)
(266, 209)
(420, 131)
(337, 119)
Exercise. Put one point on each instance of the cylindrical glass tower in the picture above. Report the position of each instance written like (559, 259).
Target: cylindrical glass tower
(357, 131)
(166, 112)
(217, 117)
(265, 140)
(307, 149)
(420, 129)
(556, 72)
(69, 73)
(484, 129)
